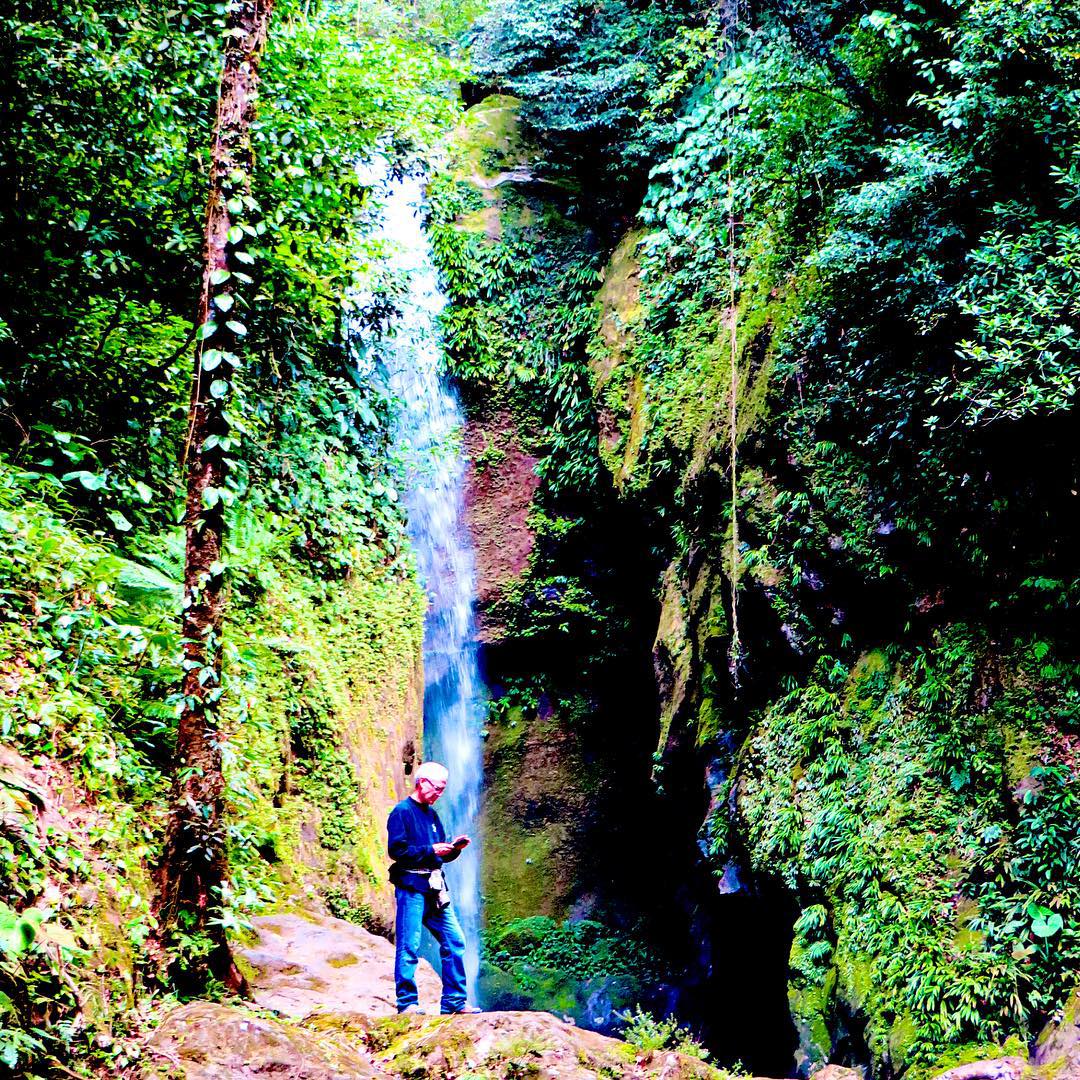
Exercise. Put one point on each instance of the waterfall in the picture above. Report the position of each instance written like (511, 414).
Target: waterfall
(428, 440)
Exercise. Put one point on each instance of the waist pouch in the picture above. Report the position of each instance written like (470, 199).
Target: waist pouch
(436, 884)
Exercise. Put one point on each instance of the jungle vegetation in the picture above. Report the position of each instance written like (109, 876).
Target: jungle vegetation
(840, 237)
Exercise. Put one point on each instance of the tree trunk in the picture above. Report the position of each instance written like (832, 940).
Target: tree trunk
(193, 862)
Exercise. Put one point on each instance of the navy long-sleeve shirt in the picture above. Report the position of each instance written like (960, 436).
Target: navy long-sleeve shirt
(412, 830)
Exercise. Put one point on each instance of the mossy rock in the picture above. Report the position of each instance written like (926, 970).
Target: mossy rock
(488, 140)
(521, 935)
(208, 1041)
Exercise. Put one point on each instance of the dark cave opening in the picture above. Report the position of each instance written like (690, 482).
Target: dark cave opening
(729, 935)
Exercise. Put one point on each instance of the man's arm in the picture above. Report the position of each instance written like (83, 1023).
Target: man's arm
(401, 850)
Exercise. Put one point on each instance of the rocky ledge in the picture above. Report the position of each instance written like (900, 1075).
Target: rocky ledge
(322, 1009)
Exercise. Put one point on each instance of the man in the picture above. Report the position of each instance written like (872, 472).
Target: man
(418, 846)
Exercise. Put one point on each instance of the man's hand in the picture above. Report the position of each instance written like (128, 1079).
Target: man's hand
(442, 850)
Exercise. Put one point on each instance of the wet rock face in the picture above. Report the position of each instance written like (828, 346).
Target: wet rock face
(500, 482)
(620, 400)
(535, 817)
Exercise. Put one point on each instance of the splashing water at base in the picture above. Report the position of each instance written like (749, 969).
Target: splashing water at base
(428, 438)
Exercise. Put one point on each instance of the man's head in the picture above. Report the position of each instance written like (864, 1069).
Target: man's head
(431, 780)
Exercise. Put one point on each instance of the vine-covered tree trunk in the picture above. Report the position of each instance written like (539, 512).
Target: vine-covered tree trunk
(193, 863)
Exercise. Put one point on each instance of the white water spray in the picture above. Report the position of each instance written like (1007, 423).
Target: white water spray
(428, 439)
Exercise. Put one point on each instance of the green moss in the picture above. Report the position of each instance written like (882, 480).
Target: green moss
(972, 1052)
(810, 1016)
(323, 663)
(532, 865)
(385, 1032)
(488, 140)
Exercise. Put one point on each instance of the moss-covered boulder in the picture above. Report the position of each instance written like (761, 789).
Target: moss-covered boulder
(209, 1041)
(498, 1045)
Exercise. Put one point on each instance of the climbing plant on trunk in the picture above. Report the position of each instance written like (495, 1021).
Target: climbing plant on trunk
(192, 869)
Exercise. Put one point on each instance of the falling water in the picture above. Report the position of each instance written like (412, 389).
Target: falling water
(429, 441)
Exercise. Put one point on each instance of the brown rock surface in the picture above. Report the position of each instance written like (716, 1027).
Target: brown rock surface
(837, 1072)
(207, 1041)
(309, 963)
(500, 481)
(331, 984)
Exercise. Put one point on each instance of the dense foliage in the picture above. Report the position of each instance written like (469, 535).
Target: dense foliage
(586, 74)
(103, 187)
(891, 192)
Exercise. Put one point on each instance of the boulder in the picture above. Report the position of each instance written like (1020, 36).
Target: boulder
(837, 1072)
(209, 1041)
(534, 1044)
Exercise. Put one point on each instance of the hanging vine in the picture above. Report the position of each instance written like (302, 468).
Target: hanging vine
(735, 648)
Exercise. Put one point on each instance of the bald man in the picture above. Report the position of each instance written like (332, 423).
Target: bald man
(418, 845)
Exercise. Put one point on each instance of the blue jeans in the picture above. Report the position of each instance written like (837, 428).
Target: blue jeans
(416, 910)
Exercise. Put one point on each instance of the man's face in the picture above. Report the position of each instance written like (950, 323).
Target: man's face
(428, 791)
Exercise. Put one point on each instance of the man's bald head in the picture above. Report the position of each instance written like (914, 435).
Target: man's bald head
(432, 770)
(431, 780)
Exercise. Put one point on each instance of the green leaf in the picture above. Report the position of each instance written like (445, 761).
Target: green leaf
(223, 302)
(120, 523)
(238, 328)
(90, 481)
(235, 234)
(17, 932)
(211, 359)
(219, 276)
(208, 329)
(144, 492)
(1047, 923)
(219, 388)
